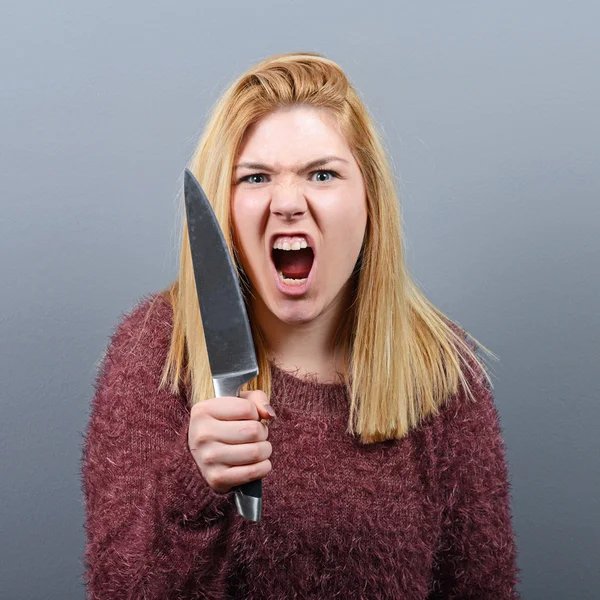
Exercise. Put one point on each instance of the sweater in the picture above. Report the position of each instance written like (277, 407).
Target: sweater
(426, 517)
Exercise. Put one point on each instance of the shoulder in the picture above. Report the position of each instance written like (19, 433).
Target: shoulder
(127, 381)
(151, 315)
(141, 334)
(463, 411)
(471, 423)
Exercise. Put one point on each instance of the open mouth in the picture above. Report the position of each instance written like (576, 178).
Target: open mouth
(293, 264)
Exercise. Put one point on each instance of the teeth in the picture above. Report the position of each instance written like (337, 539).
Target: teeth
(291, 281)
(297, 244)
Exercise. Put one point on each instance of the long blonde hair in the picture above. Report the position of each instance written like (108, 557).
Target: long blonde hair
(402, 356)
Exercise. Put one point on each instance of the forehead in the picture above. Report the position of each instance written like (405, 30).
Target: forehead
(296, 132)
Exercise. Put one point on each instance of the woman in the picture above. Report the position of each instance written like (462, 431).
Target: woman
(385, 472)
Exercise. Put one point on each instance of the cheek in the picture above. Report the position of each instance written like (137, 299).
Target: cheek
(239, 228)
(241, 216)
(245, 209)
(246, 223)
(236, 208)
(348, 219)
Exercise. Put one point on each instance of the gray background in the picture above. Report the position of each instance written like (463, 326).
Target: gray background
(490, 112)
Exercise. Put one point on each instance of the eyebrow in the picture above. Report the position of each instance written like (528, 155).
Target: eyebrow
(319, 162)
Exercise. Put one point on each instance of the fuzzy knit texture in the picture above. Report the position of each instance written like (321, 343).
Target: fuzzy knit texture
(427, 517)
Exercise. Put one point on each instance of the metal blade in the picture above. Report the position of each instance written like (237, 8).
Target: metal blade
(227, 330)
(224, 317)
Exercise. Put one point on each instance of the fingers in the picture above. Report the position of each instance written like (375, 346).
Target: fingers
(260, 401)
(236, 455)
(227, 437)
(229, 408)
(222, 480)
(239, 432)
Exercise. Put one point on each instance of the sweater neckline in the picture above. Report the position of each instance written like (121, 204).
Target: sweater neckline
(303, 393)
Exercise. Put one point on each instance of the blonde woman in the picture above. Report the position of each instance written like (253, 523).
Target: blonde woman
(384, 469)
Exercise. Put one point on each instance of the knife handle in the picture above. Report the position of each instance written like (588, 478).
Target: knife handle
(248, 497)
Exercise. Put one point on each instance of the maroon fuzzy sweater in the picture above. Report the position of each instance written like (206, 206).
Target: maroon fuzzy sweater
(425, 517)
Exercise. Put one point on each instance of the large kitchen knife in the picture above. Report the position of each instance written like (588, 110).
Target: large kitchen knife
(225, 320)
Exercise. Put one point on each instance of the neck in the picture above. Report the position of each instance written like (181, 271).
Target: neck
(305, 347)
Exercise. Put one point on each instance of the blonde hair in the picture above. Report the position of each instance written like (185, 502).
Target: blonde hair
(402, 355)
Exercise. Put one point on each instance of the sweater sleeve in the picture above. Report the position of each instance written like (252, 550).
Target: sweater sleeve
(154, 527)
(476, 557)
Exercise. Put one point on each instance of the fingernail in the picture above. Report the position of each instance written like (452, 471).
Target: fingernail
(270, 410)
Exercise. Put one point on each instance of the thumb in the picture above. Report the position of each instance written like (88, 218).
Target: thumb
(260, 400)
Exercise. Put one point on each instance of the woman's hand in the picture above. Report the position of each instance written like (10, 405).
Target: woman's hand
(228, 440)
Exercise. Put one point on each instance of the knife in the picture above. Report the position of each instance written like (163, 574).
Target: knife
(227, 330)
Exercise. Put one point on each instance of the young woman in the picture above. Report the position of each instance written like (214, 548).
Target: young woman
(384, 469)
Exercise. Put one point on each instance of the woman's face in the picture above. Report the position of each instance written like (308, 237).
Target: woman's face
(278, 195)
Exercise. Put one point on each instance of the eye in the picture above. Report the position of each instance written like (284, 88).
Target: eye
(250, 178)
(247, 178)
(326, 171)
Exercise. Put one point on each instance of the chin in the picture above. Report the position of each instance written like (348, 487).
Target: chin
(296, 315)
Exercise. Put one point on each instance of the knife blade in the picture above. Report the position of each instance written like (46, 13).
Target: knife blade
(227, 330)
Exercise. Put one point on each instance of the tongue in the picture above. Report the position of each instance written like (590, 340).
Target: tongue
(295, 264)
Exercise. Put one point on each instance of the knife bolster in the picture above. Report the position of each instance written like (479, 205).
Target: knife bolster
(231, 384)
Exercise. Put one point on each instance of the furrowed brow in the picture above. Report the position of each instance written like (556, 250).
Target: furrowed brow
(319, 162)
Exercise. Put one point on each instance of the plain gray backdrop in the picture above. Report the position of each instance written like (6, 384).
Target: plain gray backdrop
(490, 114)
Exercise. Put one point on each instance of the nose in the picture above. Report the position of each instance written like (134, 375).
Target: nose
(288, 201)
